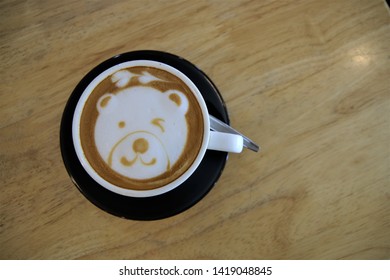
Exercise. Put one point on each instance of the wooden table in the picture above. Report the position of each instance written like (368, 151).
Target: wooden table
(307, 80)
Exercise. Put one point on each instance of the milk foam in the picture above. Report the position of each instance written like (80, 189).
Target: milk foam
(140, 131)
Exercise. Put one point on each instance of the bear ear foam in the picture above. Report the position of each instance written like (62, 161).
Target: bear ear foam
(179, 99)
(104, 100)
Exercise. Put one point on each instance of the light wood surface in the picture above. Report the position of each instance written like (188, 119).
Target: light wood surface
(307, 80)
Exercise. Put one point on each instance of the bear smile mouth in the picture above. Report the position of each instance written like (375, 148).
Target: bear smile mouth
(129, 163)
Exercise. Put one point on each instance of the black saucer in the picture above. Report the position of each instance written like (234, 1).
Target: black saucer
(164, 205)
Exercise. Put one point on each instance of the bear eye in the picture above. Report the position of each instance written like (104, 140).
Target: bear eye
(121, 124)
(158, 122)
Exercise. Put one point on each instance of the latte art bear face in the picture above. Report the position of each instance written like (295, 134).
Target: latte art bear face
(141, 128)
(140, 132)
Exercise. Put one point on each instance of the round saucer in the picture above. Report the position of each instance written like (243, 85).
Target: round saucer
(160, 206)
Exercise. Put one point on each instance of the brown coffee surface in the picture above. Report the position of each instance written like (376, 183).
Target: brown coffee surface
(165, 81)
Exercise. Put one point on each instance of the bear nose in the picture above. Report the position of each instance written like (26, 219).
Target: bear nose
(140, 145)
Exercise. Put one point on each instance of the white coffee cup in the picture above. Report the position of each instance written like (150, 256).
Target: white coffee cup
(212, 140)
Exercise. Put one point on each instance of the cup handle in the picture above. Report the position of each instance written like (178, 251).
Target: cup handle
(225, 142)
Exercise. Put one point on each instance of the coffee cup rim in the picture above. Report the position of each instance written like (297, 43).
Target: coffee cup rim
(76, 125)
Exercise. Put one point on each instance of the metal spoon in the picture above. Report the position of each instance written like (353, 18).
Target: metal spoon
(218, 125)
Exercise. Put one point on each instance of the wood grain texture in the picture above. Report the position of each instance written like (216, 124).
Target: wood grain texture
(307, 80)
